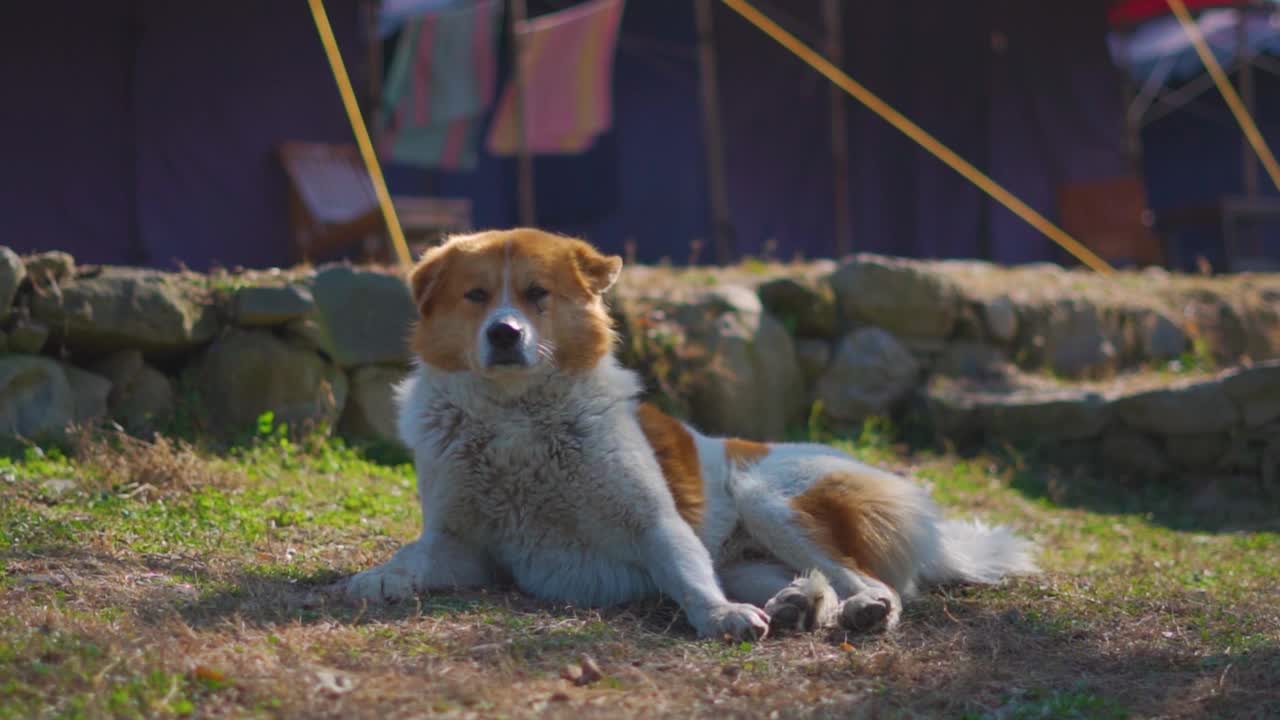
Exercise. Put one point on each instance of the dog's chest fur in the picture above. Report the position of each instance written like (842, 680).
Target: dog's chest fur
(528, 481)
(512, 479)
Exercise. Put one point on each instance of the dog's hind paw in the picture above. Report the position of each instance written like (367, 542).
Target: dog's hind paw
(806, 604)
(870, 610)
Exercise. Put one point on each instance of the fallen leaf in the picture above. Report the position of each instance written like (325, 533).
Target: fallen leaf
(846, 646)
(559, 697)
(208, 674)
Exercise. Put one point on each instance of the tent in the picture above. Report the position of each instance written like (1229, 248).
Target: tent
(144, 131)
(1028, 93)
(1178, 119)
(148, 129)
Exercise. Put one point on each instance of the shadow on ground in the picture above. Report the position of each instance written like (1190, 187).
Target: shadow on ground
(1210, 503)
(1012, 652)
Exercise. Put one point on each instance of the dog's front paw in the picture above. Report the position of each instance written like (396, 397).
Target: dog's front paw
(739, 621)
(385, 583)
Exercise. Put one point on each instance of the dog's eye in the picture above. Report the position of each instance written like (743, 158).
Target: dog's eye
(535, 293)
(477, 295)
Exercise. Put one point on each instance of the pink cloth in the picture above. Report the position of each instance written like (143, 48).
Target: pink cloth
(567, 58)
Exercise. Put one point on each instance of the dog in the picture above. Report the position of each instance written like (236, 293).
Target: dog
(538, 465)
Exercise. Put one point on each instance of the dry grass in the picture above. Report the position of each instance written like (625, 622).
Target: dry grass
(207, 598)
(122, 463)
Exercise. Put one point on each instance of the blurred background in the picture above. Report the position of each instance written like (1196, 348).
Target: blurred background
(160, 133)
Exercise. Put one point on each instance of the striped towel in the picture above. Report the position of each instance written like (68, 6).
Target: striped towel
(440, 82)
(567, 58)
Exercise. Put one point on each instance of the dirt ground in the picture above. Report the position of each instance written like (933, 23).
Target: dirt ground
(154, 580)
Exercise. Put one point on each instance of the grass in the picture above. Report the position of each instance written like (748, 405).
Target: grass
(157, 580)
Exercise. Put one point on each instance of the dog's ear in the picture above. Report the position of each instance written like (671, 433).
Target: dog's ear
(424, 279)
(599, 271)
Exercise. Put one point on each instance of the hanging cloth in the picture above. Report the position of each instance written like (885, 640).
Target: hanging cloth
(567, 58)
(440, 83)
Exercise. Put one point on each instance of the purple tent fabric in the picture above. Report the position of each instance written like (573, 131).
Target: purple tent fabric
(66, 128)
(1057, 114)
(146, 130)
(220, 86)
(1044, 111)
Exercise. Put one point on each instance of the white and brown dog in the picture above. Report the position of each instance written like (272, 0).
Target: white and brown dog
(537, 464)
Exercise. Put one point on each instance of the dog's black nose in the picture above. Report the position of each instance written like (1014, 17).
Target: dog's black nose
(504, 334)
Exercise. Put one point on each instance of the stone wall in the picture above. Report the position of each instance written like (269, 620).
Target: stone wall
(1149, 373)
(210, 354)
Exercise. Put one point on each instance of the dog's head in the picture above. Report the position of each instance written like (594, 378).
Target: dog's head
(506, 302)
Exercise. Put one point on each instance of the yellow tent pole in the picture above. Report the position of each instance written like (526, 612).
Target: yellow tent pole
(1229, 94)
(339, 70)
(919, 135)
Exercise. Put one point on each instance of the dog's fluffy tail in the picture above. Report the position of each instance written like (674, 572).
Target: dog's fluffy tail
(974, 552)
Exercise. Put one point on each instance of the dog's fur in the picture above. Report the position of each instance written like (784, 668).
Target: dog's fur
(537, 464)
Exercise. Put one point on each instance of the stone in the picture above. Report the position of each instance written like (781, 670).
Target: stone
(36, 401)
(49, 268)
(954, 413)
(364, 317)
(1065, 415)
(1160, 338)
(148, 401)
(870, 374)
(973, 360)
(747, 380)
(12, 273)
(1000, 317)
(924, 348)
(1256, 391)
(805, 305)
(1014, 412)
(1201, 450)
(246, 373)
(127, 308)
(371, 411)
(89, 392)
(1260, 323)
(1076, 342)
(120, 367)
(1189, 409)
(814, 356)
(141, 397)
(1133, 452)
(903, 297)
(27, 336)
(1217, 322)
(1244, 453)
(271, 306)
(306, 332)
(1271, 466)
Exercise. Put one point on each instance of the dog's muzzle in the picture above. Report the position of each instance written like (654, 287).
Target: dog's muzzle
(506, 338)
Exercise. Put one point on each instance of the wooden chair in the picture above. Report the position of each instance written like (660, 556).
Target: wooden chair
(1112, 218)
(332, 205)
